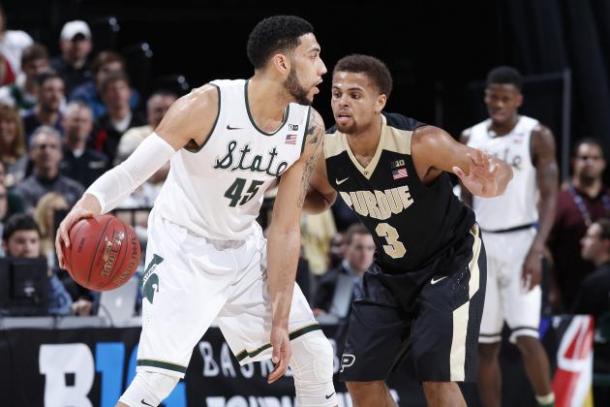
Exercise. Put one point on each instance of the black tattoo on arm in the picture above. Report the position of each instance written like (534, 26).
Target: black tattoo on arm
(314, 137)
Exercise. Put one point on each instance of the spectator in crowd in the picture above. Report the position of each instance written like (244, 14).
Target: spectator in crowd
(15, 203)
(119, 117)
(340, 286)
(45, 153)
(317, 232)
(3, 209)
(75, 45)
(104, 64)
(47, 111)
(12, 145)
(336, 253)
(21, 239)
(156, 106)
(12, 44)
(582, 201)
(79, 162)
(44, 215)
(23, 94)
(593, 296)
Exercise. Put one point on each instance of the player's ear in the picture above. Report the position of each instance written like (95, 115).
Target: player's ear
(380, 103)
(519, 99)
(281, 63)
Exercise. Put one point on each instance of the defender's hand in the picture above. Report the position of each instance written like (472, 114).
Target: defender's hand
(481, 179)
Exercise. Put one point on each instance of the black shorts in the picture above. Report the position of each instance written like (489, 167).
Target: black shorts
(434, 313)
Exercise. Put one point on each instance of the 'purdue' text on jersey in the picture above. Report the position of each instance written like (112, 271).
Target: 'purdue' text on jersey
(411, 222)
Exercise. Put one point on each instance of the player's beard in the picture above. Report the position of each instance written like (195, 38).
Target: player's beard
(296, 90)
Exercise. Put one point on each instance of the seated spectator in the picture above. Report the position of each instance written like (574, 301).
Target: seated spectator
(12, 44)
(21, 239)
(12, 145)
(593, 297)
(104, 64)
(119, 117)
(47, 111)
(79, 162)
(22, 95)
(336, 253)
(14, 202)
(582, 200)
(157, 105)
(44, 215)
(45, 153)
(338, 287)
(75, 45)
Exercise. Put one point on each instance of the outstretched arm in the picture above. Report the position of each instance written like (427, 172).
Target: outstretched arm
(189, 119)
(434, 151)
(284, 242)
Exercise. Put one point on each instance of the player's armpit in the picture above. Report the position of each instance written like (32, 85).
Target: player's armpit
(191, 118)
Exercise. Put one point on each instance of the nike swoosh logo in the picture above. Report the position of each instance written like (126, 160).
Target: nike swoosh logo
(330, 395)
(145, 403)
(229, 127)
(341, 181)
(433, 281)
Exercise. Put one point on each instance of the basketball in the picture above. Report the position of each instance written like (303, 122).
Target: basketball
(104, 253)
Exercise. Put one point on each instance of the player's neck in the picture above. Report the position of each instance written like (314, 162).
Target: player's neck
(590, 186)
(503, 128)
(364, 143)
(267, 100)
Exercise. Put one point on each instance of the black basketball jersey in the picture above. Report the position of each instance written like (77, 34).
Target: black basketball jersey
(411, 222)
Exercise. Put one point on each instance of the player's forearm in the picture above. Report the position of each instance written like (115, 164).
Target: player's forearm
(283, 249)
(116, 184)
(546, 211)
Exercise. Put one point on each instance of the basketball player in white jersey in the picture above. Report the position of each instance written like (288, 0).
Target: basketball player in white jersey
(207, 260)
(515, 228)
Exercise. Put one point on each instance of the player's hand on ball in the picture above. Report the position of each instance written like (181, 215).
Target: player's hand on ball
(481, 178)
(63, 233)
(282, 352)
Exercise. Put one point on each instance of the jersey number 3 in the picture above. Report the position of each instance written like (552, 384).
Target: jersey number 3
(394, 247)
(235, 191)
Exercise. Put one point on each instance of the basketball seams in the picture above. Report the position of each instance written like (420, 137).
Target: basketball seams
(97, 245)
(70, 251)
(124, 247)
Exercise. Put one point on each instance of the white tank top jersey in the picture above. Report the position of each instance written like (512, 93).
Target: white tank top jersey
(217, 191)
(517, 206)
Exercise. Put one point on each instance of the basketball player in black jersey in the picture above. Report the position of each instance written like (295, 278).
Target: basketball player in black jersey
(424, 294)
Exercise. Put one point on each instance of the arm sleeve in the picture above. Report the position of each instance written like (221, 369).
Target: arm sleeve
(116, 184)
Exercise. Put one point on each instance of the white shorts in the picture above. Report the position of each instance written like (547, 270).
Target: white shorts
(506, 299)
(191, 282)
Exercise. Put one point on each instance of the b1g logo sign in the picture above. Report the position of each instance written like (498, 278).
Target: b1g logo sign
(70, 371)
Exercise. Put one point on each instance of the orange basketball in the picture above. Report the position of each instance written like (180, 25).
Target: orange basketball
(104, 253)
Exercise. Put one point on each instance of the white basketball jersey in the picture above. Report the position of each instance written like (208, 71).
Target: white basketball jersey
(517, 206)
(217, 191)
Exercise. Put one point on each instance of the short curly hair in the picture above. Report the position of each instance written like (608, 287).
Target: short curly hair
(274, 34)
(505, 75)
(370, 66)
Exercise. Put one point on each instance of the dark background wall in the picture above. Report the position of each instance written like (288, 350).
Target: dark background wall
(438, 51)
